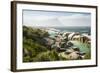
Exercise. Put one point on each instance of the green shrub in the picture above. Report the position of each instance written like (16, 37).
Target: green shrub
(47, 56)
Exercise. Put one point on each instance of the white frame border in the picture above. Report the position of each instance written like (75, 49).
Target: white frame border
(36, 65)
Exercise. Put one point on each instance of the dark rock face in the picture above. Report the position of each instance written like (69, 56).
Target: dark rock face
(70, 44)
(76, 49)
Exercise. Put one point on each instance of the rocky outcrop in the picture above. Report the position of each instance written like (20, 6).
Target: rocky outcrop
(73, 54)
(63, 45)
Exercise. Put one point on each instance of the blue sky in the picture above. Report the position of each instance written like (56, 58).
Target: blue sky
(55, 19)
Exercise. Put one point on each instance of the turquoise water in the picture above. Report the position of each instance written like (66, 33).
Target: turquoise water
(83, 47)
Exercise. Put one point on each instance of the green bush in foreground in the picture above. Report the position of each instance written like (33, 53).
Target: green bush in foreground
(34, 48)
(47, 56)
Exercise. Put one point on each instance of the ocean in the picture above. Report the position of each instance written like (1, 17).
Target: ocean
(83, 29)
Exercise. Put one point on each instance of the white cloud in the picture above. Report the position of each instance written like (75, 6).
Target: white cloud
(54, 21)
(76, 20)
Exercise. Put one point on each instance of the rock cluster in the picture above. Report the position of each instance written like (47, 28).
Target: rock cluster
(62, 43)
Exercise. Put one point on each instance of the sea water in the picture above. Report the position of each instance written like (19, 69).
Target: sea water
(81, 30)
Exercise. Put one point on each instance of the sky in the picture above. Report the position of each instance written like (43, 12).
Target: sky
(55, 18)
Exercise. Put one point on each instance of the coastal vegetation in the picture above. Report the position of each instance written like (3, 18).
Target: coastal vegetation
(38, 46)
